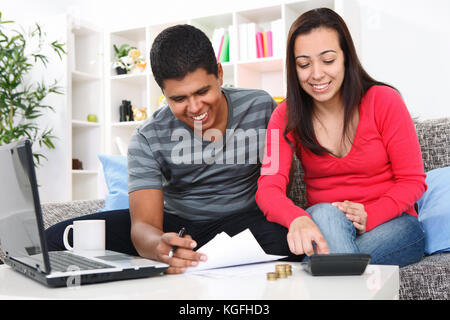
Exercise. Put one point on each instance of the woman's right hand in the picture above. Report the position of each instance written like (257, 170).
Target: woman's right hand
(302, 233)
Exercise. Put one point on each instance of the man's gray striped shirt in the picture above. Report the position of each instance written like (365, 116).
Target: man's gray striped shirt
(203, 180)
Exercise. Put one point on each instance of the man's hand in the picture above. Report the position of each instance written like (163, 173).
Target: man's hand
(354, 212)
(302, 233)
(147, 215)
(183, 257)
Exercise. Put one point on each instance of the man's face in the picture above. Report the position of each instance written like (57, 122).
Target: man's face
(197, 98)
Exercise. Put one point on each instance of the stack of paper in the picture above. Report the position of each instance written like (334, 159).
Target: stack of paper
(225, 251)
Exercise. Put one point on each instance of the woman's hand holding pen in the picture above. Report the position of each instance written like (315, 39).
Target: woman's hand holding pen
(182, 257)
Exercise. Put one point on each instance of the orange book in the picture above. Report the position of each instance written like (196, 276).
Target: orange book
(265, 44)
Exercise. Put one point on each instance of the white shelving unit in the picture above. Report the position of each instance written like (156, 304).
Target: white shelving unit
(85, 96)
(94, 86)
(263, 73)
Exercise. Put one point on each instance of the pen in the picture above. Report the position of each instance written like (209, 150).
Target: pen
(180, 234)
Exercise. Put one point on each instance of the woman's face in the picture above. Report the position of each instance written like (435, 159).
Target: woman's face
(320, 64)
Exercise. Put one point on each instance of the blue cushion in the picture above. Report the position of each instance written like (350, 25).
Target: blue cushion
(116, 178)
(434, 211)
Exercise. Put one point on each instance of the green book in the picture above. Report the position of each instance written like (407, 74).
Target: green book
(225, 52)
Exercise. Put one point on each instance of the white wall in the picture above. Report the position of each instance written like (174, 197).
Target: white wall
(407, 44)
(52, 174)
(403, 42)
(120, 14)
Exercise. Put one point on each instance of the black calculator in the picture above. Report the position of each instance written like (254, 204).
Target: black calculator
(337, 264)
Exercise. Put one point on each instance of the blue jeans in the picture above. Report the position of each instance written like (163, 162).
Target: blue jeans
(400, 241)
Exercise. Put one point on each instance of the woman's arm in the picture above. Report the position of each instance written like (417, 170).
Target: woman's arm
(271, 194)
(400, 140)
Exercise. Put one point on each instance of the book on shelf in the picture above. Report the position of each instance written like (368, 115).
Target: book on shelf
(257, 43)
(221, 43)
(243, 47)
(278, 45)
(269, 43)
(264, 43)
(219, 51)
(225, 50)
(251, 41)
(232, 43)
(217, 40)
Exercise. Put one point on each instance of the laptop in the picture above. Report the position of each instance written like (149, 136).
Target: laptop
(23, 241)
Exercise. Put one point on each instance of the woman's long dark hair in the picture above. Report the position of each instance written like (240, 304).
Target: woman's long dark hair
(299, 103)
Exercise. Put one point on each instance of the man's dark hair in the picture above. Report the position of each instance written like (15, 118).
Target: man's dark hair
(179, 50)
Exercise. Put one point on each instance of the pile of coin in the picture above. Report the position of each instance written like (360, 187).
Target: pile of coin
(281, 271)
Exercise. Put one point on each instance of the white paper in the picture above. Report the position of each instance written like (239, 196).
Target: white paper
(241, 271)
(225, 251)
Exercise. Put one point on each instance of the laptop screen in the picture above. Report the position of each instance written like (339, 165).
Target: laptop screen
(19, 229)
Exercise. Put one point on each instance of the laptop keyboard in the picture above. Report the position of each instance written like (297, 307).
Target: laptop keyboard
(65, 261)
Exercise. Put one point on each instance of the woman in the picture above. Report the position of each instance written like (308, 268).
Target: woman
(357, 145)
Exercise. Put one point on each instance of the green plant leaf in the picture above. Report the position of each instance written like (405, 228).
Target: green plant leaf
(20, 97)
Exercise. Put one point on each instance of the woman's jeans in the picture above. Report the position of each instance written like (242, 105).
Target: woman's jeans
(400, 241)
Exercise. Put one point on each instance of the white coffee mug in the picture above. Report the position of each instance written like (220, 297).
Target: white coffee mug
(87, 235)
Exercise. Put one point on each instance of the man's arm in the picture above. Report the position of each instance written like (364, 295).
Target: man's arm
(147, 216)
(146, 212)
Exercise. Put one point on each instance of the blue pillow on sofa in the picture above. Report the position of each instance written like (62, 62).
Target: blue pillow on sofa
(116, 178)
(434, 211)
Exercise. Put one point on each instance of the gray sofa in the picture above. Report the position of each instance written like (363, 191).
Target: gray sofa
(427, 279)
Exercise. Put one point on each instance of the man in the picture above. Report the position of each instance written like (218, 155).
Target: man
(195, 164)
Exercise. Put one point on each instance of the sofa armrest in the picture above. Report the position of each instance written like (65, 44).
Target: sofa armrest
(434, 140)
(57, 212)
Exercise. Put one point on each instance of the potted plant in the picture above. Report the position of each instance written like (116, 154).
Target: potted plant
(127, 59)
(138, 63)
(22, 100)
(123, 61)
